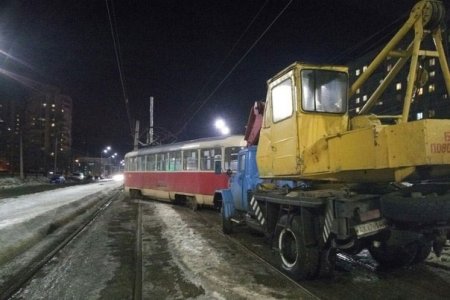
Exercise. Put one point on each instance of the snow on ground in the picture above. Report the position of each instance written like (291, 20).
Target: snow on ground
(23, 208)
(12, 182)
(26, 220)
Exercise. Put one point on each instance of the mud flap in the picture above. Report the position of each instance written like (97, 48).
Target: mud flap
(228, 209)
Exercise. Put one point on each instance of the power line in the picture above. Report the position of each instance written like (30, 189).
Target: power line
(213, 74)
(116, 43)
(376, 44)
(233, 68)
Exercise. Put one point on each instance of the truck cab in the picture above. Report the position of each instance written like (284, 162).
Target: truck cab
(245, 179)
(304, 104)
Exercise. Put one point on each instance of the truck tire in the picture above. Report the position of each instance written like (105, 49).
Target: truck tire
(427, 209)
(389, 257)
(423, 251)
(297, 259)
(399, 256)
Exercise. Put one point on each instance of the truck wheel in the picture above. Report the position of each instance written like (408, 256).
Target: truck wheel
(227, 225)
(423, 251)
(427, 209)
(394, 256)
(300, 261)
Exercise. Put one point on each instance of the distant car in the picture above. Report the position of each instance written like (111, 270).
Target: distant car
(57, 179)
(77, 176)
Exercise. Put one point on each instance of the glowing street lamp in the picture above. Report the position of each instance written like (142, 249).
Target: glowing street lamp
(104, 151)
(222, 127)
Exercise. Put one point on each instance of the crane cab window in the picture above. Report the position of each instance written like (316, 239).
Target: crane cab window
(324, 91)
(282, 107)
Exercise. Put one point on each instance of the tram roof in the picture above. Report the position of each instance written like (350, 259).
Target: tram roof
(231, 140)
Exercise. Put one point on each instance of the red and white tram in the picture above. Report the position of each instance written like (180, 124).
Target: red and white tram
(187, 172)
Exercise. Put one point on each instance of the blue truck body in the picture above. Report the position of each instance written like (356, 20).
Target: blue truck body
(235, 198)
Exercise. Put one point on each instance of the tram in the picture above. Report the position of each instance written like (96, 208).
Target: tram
(185, 172)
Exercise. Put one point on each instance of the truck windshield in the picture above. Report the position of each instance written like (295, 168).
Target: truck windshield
(324, 91)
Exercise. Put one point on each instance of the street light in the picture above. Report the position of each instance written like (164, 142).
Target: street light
(113, 164)
(222, 127)
(105, 151)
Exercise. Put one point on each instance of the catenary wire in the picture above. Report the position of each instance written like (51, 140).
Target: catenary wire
(203, 103)
(119, 67)
(376, 44)
(214, 73)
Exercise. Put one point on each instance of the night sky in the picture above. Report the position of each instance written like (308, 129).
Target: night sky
(179, 53)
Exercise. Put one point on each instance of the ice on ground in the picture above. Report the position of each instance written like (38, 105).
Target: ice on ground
(201, 263)
(23, 208)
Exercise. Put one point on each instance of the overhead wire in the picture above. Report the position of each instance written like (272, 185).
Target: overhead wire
(213, 74)
(383, 31)
(116, 44)
(203, 103)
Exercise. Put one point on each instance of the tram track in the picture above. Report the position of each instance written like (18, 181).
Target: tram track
(249, 251)
(137, 289)
(16, 282)
(355, 276)
(254, 254)
(349, 268)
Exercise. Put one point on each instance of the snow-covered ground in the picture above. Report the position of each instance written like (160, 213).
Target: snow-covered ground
(27, 219)
(25, 207)
(12, 182)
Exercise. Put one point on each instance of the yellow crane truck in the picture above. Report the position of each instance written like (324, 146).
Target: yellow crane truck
(318, 181)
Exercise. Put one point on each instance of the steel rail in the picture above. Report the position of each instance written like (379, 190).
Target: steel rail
(20, 279)
(137, 290)
(255, 255)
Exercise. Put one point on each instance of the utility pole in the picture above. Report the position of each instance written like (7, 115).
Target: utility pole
(56, 153)
(136, 135)
(21, 155)
(150, 129)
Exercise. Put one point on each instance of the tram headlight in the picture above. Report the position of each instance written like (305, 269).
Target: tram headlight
(118, 177)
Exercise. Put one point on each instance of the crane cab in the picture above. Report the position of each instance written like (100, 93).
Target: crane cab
(304, 104)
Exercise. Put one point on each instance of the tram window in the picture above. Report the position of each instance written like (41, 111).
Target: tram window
(207, 158)
(190, 161)
(151, 162)
(162, 160)
(175, 161)
(132, 166)
(231, 156)
(141, 163)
